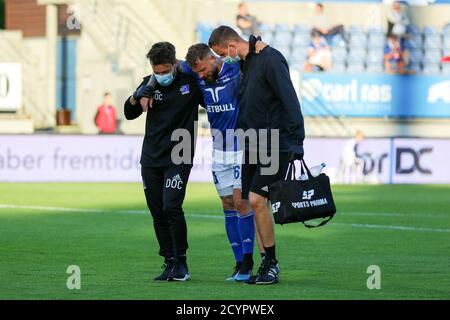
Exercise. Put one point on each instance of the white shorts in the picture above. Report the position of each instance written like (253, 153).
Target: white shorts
(226, 171)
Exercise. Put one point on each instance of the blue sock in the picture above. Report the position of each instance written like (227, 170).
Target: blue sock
(232, 228)
(247, 231)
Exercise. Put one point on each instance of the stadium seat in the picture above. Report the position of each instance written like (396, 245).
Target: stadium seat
(375, 56)
(299, 53)
(414, 43)
(446, 42)
(299, 66)
(428, 30)
(301, 29)
(282, 27)
(415, 56)
(301, 39)
(353, 30)
(285, 51)
(446, 52)
(339, 53)
(432, 41)
(413, 29)
(355, 67)
(416, 68)
(375, 31)
(375, 68)
(282, 39)
(446, 69)
(446, 30)
(338, 67)
(431, 69)
(358, 40)
(356, 55)
(337, 41)
(376, 40)
(265, 29)
(432, 56)
(268, 38)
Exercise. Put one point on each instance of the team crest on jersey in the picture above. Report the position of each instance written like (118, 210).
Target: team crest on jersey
(184, 89)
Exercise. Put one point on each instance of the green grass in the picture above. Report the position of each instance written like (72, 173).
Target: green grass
(117, 251)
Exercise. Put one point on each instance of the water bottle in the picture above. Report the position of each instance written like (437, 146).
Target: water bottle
(315, 171)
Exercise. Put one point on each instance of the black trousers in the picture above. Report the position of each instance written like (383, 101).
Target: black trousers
(165, 189)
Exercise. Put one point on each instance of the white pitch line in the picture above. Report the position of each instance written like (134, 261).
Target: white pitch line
(214, 217)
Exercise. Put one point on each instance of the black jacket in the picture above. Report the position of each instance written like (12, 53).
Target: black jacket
(268, 99)
(174, 107)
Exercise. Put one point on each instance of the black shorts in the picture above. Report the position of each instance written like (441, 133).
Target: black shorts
(254, 177)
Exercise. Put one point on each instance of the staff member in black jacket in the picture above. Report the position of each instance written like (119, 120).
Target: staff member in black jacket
(176, 98)
(270, 108)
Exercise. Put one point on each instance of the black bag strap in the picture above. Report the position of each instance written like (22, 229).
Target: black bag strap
(310, 226)
(303, 166)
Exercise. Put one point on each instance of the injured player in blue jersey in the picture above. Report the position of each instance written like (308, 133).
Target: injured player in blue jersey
(219, 83)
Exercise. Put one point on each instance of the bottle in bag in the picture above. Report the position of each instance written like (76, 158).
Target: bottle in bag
(315, 171)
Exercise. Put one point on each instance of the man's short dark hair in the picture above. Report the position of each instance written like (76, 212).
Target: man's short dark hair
(162, 53)
(197, 52)
(222, 35)
(319, 5)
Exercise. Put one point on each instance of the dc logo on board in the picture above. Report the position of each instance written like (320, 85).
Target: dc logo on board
(307, 195)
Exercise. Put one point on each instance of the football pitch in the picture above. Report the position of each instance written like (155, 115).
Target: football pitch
(106, 230)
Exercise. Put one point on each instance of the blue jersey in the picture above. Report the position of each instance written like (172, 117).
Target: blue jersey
(221, 103)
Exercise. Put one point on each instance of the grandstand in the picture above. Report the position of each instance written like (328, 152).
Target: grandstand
(108, 54)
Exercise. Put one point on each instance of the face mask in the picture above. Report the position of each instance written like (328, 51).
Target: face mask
(228, 59)
(165, 79)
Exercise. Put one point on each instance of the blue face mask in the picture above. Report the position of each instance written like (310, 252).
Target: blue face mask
(228, 59)
(165, 79)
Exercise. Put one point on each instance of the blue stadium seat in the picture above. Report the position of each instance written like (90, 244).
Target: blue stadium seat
(282, 39)
(299, 66)
(375, 68)
(265, 28)
(414, 43)
(431, 69)
(413, 29)
(446, 42)
(282, 27)
(301, 39)
(356, 55)
(355, 67)
(446, 52)
(353, 30)
(339, 54)
(432, 56)
(204, 30)
(338, 67)
(432, 41)
(415, 67)
(299, 53)
(375, 56)
(358, 40)
(297, 58)
(302, 28)
(375, 31)
(446, 69)
(428, 30)
(285, 50)
(376, 40)
(268, 38)
(416, 56)
(446, 30)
